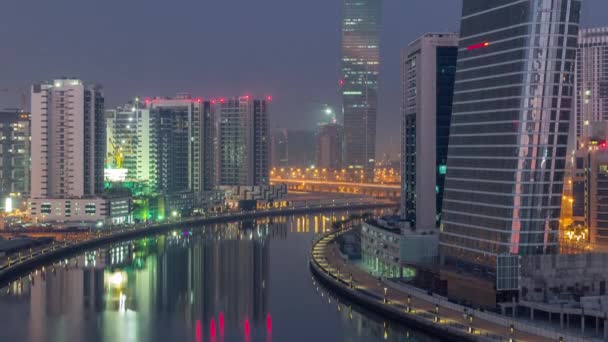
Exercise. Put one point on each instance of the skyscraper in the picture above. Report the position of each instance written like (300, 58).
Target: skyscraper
(591, 79)
(359, 83)
(184, 143)
(68, 149)
(508, 139)
(244, 142)
(428, 69)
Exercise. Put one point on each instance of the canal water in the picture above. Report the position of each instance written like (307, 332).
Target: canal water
(237, 282)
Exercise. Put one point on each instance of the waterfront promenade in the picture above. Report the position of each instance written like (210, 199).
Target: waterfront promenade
(415, 307)
(19, 264)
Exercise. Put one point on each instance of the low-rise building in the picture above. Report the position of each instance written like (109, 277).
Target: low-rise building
(82, 211)
(381, 248)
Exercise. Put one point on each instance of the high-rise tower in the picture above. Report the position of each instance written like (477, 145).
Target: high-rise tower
(428, 68)
(512, 105)
(244, 142)
(359, 83)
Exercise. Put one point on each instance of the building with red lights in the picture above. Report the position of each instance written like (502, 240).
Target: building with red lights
(184, 133)
(244, 142)
(508, 142)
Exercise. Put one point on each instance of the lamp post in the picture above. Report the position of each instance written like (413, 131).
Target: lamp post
(437, 313)
(471, 329)
(512, 332)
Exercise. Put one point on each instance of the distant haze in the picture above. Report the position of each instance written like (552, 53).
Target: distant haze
(212, 48)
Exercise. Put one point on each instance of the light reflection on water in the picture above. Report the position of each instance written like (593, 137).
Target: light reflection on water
(236, 282)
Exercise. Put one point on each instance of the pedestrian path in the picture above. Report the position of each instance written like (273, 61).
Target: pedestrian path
(419, 304)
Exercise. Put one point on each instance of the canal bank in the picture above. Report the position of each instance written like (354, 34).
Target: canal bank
(26, 262)
(415, 307)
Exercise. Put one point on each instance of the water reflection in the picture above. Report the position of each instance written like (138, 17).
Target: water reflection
(208, 284)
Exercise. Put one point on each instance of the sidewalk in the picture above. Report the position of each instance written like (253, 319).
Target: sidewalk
(327, 255)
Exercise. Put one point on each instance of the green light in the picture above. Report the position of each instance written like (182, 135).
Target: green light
(443, 169)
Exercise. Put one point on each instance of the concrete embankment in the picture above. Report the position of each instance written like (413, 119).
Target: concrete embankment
(45, 256)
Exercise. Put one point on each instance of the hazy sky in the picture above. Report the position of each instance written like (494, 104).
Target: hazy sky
(285, 48)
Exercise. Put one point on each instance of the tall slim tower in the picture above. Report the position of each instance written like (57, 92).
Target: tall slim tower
(428, 69)
(244, 142)
(359, 83)
(512, 105)
(591, 79)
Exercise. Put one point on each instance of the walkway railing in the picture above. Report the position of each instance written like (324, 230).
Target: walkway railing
(470, 322)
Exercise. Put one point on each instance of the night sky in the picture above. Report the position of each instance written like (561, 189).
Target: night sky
(285, 48)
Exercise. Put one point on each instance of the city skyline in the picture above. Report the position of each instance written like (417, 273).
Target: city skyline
(299, 89)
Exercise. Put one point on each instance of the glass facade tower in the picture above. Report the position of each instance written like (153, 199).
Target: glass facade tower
(359, 83)
(512, 105)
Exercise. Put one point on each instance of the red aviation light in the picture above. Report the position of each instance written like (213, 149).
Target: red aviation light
(269, 98)
(341, 82)
(199, 100)
(212, 327)
(222, 100)
(198, 331)
(478, 46)
(247, 328)
(269, 323)
(221, 323)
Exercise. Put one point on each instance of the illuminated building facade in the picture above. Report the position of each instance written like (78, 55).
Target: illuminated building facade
(184, 143)
(244, 142)
(589, 202)
(512, 107)
(68, 150)
(131, 142)
(428, 69)
(14, 156)
(591, 79)
(359, 83)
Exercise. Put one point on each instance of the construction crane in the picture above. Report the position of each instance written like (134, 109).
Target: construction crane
(21, 93)
(118, 153)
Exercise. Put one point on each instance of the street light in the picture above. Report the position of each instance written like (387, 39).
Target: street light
(436, 313)
(512, 332)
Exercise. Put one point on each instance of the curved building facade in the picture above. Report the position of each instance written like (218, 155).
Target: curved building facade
(512, 104)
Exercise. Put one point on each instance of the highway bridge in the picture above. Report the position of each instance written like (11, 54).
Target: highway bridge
(384, 191)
